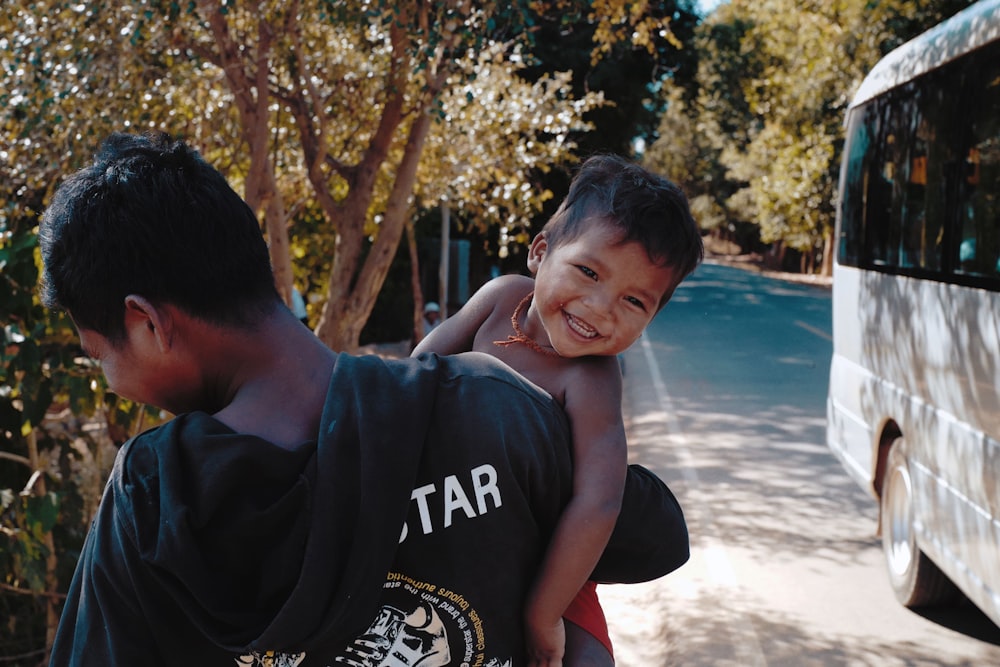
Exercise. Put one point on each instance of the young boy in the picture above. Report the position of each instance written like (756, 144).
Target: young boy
(303, 507)
(603, 266)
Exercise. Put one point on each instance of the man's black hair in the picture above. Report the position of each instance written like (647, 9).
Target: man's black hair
(151, 217)
(645, 207)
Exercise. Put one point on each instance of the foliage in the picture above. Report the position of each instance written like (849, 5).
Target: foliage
(499, 130)
(773, 83)
(59, 427)
(628, 77)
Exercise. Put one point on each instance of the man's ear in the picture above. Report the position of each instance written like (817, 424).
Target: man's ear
(156, 321)
(539, 246)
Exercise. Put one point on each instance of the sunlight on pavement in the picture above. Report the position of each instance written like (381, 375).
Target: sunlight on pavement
(653, 623)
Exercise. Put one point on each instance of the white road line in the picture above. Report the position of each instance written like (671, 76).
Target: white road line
(713, 550)
(813, 330)
(663, 399)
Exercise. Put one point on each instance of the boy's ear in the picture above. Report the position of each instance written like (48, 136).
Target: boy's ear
(539, 246)
(156, 322)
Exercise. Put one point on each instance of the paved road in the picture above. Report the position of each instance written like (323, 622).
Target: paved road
(725, 399)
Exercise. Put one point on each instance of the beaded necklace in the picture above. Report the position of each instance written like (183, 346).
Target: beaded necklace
(519, 335)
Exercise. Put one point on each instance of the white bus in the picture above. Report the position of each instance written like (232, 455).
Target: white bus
(914, 398)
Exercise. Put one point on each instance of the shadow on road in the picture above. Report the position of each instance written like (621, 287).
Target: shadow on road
(712, 631)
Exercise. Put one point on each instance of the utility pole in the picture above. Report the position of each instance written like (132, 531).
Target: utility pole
(445, 256)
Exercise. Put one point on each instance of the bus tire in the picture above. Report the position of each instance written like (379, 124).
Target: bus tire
(915, 579)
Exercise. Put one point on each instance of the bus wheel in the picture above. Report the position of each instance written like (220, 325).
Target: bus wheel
(916, 580)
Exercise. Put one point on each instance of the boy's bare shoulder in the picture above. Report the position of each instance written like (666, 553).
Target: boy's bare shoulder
(509, 287)
(503, 293)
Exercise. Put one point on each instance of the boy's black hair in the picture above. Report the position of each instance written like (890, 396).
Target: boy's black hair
(151, 217)
(645, 207)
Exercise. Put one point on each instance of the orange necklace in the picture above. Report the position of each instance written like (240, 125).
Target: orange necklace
(519, 335)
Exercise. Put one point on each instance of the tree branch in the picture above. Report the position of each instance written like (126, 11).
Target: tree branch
(229, 58)
(28, 591)
(17, 458)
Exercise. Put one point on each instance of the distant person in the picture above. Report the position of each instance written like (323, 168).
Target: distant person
(606, 262)
(432, 317)
(303, 507)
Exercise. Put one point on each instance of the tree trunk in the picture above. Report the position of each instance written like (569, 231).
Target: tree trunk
(248, 81)
(444, 271)
(826, 268)
(351, 301)
(277, 241)
(265, 197)
(418, 294)
(350, 296)
(345, 334)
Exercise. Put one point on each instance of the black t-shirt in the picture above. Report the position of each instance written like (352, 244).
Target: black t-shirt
(409, 531)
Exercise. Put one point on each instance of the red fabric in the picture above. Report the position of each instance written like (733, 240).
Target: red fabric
(585, 611)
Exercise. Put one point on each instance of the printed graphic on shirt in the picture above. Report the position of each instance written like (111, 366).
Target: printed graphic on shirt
(422, 625)
(270, 659)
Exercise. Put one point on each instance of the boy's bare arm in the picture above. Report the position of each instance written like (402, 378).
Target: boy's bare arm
(593, 405)
(457, 333)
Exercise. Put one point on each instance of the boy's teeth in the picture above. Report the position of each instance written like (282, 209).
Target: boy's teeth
(581, 328)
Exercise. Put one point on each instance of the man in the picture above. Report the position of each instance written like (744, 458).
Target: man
(304, 507)
(432, 317)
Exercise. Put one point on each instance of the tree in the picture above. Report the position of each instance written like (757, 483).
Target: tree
(704, 116)
(797, 99)
(316, 105)
(363, 174)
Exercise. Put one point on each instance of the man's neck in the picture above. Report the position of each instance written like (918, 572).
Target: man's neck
(279, 377)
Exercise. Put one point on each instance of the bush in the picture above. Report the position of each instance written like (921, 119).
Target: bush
(62, 430)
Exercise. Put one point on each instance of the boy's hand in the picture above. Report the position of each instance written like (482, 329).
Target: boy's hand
(546, 644)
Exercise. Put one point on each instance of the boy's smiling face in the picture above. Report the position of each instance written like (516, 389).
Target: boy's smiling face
(593, 294)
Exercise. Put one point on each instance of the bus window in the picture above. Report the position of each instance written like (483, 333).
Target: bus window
(919, 193)
(857, 168)
(897, 230)
(881, 226)
(924, 125)
(979, 249)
